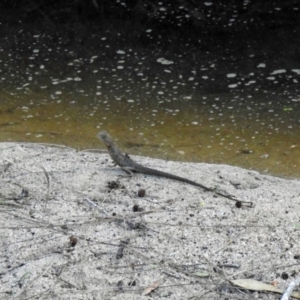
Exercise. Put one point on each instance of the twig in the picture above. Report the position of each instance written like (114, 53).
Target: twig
(48, 182)
(290, 289)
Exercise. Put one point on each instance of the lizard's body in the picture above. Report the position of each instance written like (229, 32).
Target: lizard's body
(128, 165)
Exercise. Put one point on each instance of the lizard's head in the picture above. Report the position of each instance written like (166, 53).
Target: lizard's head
(104, 137)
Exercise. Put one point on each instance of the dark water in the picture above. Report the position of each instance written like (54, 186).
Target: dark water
(232, 99)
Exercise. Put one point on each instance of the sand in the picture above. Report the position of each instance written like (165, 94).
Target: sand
(73, 226)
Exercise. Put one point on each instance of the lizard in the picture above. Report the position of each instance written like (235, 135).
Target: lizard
(130, 166)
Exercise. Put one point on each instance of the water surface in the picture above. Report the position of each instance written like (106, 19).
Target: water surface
(233, 104)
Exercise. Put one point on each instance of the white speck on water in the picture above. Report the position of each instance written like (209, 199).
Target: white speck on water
(233, 86)
(42, 67)
(262, 65)
(121, 52)
(160, 92)
(130, 100)
(191, 79)
(98, 93)
(278, 72)
(231, 75)
(195, 123)
(140, 74)
(149, 30)
(208, 3)
(205, 77)
(77, 79)
(181, 152)
(271, 78)
(103, 39)
(167, 71)
(93, 58)
(164, 61)
(30, 78)
(250, 82)
(296, 71)
(36, 51)
(120, 67)
(162, 9)
(58, 93)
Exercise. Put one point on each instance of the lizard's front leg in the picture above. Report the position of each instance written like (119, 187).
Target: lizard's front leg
(128, 170)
